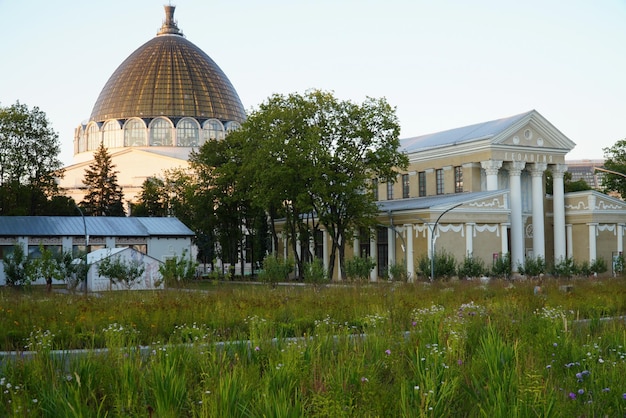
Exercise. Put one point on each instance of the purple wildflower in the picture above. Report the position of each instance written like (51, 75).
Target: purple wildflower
(364, 379)
(624, 396)
(257, 348)
(581, 391)
(459, 362)
(572, 395)
(388, 352)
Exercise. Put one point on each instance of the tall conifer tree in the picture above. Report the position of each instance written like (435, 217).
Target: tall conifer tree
(104, 196)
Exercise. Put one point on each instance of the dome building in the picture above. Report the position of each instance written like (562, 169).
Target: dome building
(165, 100)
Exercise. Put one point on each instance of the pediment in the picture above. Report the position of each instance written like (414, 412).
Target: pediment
(534, 132)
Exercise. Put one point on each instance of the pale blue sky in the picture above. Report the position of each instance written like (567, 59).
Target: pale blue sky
(443, 63)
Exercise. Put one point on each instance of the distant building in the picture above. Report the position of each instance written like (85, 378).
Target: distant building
(159, 238)
(585, 170)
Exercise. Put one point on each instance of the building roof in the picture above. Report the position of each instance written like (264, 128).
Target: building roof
(443, 202)
(168, 76)
(95, 226)
(484, 130)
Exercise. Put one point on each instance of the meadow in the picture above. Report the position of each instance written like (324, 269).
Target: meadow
(367, 350)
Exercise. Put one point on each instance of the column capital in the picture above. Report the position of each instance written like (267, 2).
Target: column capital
(491, 167)
(558, 170)
(515, 167)
(537, 169)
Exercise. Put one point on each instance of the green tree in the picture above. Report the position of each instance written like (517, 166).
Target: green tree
(178, 270)
(153, 199)
(615, 160)
(29, 162)
(314, 154)
(104, 196)
(17, 267)
(120, 271)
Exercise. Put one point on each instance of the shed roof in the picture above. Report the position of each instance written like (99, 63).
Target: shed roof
(94, 226)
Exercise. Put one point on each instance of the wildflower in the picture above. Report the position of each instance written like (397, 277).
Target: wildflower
(581, 391)
(257, 348)
(414, 323)
(555, 345)
(35, 400)
(548, 366)
(572, 395)
(606, 390)
(600, 360)
(388, 352)
(364, 379)
(416, 387)
(624, 396)
(459, 362)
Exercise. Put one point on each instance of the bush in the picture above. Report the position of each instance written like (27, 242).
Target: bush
(275, 269)
(471, 267)
(17, 267)
(445, 265)
(598, 266)
(359, 268)
(532, 267)
(314, 272)
(397, 272)
(119, 271)
(565, 267)
(177, 270)
(502, 266)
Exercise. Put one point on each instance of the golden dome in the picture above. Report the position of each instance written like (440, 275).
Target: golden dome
(168, 76)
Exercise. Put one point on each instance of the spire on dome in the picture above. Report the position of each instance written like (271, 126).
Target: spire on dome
(169, 24)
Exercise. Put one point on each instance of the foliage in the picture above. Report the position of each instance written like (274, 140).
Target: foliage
(397, 272)
(444, 263)
(598, 266)
(565, 267)
(17, 266)
(153, 199)
(448, 349)
(29, 163)
(104, 196)
(178, 270)
(615, 160)
(533, 266)
(276, 269)
(120, 271)
(502, 266)
(314, 272)
(568, 185)
(359, 268)
(471, 267)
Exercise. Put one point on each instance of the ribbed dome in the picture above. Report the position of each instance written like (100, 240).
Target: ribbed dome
(168, 76)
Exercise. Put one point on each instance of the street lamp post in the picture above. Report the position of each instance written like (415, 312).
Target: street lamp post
(86, 243)
(432, 238)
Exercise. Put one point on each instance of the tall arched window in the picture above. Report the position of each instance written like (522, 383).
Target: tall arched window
(187, 133)
(212, 130)
(135, 133)
(231, 126)
(112, 135)
(161, 132)
(80, 142)
(94, 137)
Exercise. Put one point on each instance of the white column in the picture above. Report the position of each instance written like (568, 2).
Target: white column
(374, 255)
(517, 226)
(592, 242)
(356, 247)
(539, 241)
(325, 250)
(558, 202)
(469, 238)
(410, 267)
(285, 248)
(391, 246)
(504, 238)
(620, 238)
(570, 241)
(430, 238)
(491, 168)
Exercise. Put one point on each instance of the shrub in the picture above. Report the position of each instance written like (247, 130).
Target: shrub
(119, 271)
(359, 268)
(445, 265)
(502, 266)
(275, 269)
(397, 272)
(532, 267)
(17, 267)
(565, 267)
(471, 267)
(598, 266)
(314, 272)
(176, 270)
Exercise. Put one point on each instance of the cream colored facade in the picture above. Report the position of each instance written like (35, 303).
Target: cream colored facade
(480, 190)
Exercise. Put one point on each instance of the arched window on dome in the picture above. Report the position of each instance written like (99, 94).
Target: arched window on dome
(80, 142)
(94, 136)
(160, 132)
(112, 135)
(231, 126)
(212, 130)
(135, 133)
(187, 133)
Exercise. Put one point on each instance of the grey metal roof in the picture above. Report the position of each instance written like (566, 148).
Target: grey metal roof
(428, 202)
(463, 134)
(96, 226)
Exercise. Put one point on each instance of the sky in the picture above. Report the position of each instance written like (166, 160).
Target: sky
(441, 63)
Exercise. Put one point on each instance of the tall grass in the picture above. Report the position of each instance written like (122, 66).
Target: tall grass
(447, 349)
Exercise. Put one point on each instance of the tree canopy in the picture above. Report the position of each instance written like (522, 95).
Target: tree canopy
(307, 159)
(29, 164)
(104, 196)
(615, 160)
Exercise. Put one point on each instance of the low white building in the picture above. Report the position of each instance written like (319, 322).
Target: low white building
(159, 238)
(151, 278)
